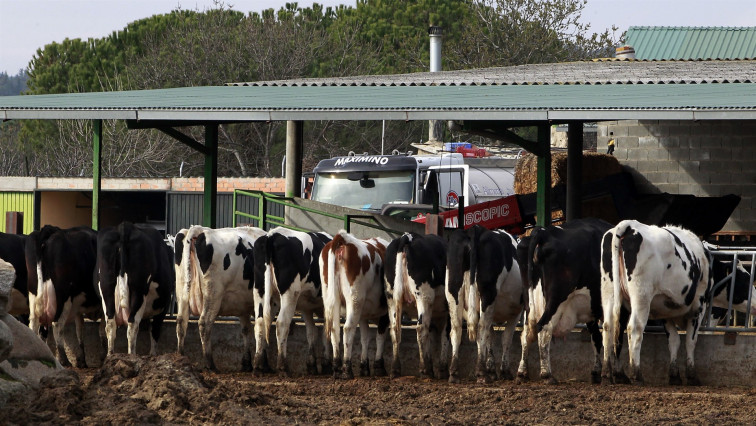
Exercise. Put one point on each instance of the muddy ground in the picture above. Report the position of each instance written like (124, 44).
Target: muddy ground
(169, 390)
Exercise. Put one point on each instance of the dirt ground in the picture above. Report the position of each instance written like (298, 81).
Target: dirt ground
(169, 390)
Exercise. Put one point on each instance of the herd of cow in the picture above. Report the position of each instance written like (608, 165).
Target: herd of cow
(584, 271)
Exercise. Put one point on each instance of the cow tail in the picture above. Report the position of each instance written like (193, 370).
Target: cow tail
(473, 297)
(618, 273)
(400, 284)
(332, 302)
(190, 269)
(267, 314)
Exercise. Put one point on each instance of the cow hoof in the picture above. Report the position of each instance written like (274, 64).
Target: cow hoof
(521, 378)
(443, 372)
(326, 369)
(550, 381)
(454, 379)
(621, 378)
(379, 368)
(693, 381)
(364, 369)
(675, 380)
(347, 374)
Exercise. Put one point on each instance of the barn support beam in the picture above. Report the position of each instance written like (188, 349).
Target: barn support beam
(499, 130)
(211, 176)
(96, 172)
(294, 147)
(574, 170)
(543, 197)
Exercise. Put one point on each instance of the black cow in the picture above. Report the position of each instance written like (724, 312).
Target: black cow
(564, 278)
(12, 251)
(61, 262)
(292, 274)
(414, 272)
(483, 281)
(135, 280)
(721, 272)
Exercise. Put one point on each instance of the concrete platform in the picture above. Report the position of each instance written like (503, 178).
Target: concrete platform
(717, 363)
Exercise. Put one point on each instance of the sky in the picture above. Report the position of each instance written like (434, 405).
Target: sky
(27, 25)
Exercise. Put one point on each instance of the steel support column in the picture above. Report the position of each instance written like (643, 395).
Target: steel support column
(543, 207)
(574, 170)
(96, 172)
(294, 147)
(211, 176)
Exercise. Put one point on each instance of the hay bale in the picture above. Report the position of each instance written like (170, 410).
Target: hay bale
(595, 166)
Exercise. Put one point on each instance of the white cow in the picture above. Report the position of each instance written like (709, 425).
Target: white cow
(351, 272)
(656, 273)
(217, 271)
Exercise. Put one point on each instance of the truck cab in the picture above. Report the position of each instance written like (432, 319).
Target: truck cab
(410, 183)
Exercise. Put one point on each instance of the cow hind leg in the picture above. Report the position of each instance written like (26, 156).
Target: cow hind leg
(364, 343)
(312, 335)
(379, 368)
(505, 372)
(485, 369)
(103, 339)
(423, 334)
(522, 368)
(247, 336)
(110, 329)
(350, 323)
(455, 336)
(673, 341)
(210, 309)
(593, 329)
(81, 360)
(635, 328)
(691, 336)
(544, 350)
(283, 322)
(260, 364)
(156, 329)
(442, 329)
(60, 348)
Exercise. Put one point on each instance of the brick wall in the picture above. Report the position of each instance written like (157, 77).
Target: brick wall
(195, 184)
(704, 158)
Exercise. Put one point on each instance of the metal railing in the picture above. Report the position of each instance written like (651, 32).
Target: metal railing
(265, 220)
(733, 321)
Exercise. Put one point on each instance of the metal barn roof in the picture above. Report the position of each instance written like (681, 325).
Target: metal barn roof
(692, 43)
(587, 91)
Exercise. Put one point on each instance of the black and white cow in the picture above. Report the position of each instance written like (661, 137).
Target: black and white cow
(12, 251)
(657, 273)
(415, 267)
(63, 264)
(483, 282)
(135, 280)
(292, 275)
(218, 277)
(351, 271)
(564, 289)
(725, 287)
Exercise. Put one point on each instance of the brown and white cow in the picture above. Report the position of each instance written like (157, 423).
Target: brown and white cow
(656, 273)
(351, 272)
(414, 284)
(483, 282)
(218, 277)
(289, 273)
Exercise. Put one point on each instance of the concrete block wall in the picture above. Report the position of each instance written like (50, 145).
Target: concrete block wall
(703, 158)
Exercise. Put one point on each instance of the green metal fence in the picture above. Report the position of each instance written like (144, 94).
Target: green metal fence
(265, 219)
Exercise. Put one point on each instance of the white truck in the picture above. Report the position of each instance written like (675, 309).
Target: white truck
(402, 184)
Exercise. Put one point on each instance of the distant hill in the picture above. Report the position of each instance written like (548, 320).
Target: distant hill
(11, 85)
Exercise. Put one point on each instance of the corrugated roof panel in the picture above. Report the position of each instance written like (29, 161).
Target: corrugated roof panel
(692, 43)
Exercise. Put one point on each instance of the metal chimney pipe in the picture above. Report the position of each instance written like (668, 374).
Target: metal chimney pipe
(435, 128)
(435, 34)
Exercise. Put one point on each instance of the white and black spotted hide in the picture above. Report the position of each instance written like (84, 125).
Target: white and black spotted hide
(657, 273)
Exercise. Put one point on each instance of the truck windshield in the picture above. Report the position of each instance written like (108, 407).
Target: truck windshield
(365, 191)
